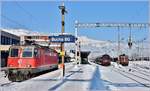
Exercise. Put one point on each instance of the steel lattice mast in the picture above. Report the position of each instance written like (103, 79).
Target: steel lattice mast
(81, 25)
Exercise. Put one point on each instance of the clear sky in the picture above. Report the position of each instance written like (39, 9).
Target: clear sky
(44, 16)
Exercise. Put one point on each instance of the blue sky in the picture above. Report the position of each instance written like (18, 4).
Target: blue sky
(44, 16)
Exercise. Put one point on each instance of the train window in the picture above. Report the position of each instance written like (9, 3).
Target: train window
(35, 52)
(14, 52)
(27, 52)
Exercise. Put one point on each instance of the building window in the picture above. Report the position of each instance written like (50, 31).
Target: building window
(2, 40)
(9, 41)
(6, 40)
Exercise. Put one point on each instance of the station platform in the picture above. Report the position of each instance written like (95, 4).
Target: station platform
(86, 77)
(77, 78)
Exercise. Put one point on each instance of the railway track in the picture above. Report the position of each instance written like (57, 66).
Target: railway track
(8, 84)
(141, 66)
(140, 71)
(135, 74)
(141, 80)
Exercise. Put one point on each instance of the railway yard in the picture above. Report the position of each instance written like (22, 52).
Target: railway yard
(87, 77)
(74, 46)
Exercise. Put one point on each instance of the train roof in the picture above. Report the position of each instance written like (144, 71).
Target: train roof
(37, 46)
(123, 55)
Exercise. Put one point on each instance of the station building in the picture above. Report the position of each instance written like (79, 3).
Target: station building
(6, 40)
(40, 39)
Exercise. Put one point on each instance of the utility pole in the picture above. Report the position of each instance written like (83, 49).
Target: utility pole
(76, 42)
(79, 53)
(118, 42)
(130, 38)
(118, 26)
(149, 29)
(63, 11)
(138, 49)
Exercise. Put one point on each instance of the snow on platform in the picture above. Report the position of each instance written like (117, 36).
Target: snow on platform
(3, 80)
(82, 78)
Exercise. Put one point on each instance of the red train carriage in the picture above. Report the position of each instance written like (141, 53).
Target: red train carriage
(24, 61)
(104, 60)
(123, 60)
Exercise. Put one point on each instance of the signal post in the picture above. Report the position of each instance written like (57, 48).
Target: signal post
(63, 11)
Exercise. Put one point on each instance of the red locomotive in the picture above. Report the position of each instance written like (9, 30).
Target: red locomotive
(26, 60)
(104, 60)
(123, 60)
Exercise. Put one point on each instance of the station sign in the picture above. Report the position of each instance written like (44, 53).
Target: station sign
(62, 39)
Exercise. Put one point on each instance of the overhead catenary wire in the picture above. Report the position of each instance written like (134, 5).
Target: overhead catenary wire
(30, 16)
(22, 8)
(13, 21)
(26, 12)
(34, 21)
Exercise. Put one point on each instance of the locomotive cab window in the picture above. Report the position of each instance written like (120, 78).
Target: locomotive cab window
(36, 53)
(27, 52)
(14, 52)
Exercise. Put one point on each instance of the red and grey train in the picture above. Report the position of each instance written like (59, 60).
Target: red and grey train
(104, 60)
(123, 60)
(24, 61)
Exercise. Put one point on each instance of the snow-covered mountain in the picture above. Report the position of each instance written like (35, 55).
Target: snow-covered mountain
(20, 32)
(97, 47)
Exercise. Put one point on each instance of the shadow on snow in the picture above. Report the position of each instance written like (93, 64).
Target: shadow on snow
(96, 83)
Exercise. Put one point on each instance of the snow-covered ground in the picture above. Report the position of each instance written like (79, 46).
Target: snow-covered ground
(143, 64)
(3, 80)
(83, 78)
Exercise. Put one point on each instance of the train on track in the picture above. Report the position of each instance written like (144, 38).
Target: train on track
(25, 61)
(123, 60)
(104, 60)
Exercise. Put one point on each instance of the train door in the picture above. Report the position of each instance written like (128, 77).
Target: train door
(37, 56)
(42, 56)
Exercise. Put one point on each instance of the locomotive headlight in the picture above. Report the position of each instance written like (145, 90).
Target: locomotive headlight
(10, 65)
(29, 65)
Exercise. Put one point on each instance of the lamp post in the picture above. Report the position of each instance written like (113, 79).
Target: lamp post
(63, 11)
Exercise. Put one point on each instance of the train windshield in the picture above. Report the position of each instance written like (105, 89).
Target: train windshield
(27, 52)
(14, 52)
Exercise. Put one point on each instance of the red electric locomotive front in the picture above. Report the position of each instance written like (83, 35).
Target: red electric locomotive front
(123, 60)
(25, 61)
(105, 60)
